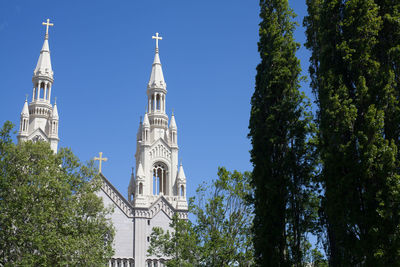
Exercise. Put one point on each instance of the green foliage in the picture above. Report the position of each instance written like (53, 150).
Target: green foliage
(224, 220)
(282, 154)
(355, 75)
(49, 212)
(181, 245)
(221, 234)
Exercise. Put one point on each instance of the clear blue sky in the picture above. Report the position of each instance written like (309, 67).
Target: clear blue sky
(102, 53)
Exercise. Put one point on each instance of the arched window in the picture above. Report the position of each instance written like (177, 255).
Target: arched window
(140, 189)
(182, 190)
(159, 179)
(158, 102)
(152, 102)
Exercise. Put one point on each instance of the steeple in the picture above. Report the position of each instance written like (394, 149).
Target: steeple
(156, 94)
(157, 77)
(43, 74)
(159, 181)
(39, 120)
(157, 148)
(43, 66)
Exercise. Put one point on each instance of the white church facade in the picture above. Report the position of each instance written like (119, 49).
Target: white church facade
(156, 191)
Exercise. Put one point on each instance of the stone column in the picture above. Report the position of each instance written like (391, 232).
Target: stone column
(38, 90)
(49, 97)
(149, 107)
(45, 90)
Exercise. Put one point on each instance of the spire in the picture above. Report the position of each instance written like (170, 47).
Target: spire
(131, 182)
(181, 174)
(172, 123)
(139, 132)
(157, 76)
(25, 109)
(131, 187)
(43, 66)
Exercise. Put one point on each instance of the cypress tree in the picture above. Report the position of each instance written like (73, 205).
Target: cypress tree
(388, 54)
(279, 131)
(355, 74)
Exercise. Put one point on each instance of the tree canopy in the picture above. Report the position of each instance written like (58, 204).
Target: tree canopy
(220, 234)
(354, 69)
(50, 214)
(281, 133)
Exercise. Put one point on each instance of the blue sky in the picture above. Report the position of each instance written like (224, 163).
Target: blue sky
(102, 53)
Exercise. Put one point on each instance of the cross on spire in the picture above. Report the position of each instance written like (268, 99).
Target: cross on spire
(157, 38)
(47, 26)
(100, 159)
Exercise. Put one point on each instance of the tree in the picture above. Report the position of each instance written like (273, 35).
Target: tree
(355, 76)
(180, 246)
(49, 212)
(282, 153)
(221, 233)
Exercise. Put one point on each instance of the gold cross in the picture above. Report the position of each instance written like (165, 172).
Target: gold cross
(47, 25)
(100, 159)
(157, 38)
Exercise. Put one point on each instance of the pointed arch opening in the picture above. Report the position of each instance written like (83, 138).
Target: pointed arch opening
(160, 172)
(140, 189)
(158, 102)
(182, 190)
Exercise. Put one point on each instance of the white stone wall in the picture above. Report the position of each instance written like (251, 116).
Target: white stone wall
(143, 230)
(123, 239)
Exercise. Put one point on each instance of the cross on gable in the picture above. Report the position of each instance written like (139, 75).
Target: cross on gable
(100, 159)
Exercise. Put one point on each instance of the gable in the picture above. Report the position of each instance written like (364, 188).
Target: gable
(161, 205)
(38, 135)
(160, 149)
(116, 197)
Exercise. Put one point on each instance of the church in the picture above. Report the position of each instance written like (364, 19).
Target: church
(156, 191)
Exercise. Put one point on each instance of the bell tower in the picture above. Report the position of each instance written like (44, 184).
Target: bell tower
(157, 170)
(158, 190)
(39, 119)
